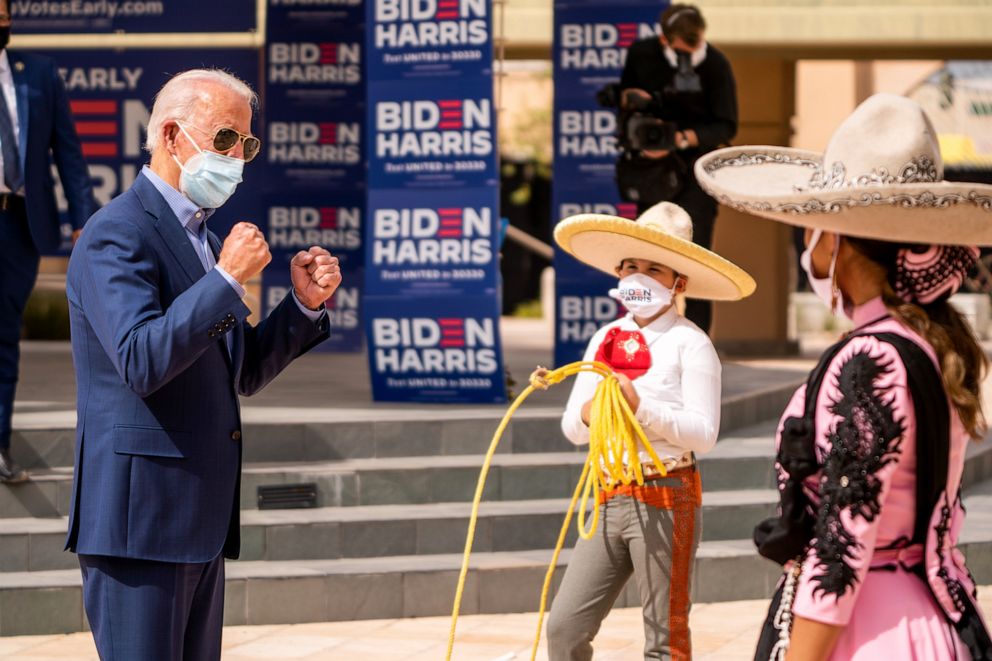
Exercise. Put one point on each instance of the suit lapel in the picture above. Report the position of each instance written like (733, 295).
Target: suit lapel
(168, 227)
(19, 76)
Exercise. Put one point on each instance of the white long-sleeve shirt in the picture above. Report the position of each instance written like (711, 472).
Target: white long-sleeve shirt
(680, 392)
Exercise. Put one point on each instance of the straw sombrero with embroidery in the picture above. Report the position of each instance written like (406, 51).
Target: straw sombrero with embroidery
(881, 177)
(662, 234)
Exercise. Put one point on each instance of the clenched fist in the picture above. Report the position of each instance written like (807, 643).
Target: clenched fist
(316, 275)
(244, 253)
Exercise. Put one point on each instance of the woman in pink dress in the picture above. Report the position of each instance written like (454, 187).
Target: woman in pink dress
(871, 451)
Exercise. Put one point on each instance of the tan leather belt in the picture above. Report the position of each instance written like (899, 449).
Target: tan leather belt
(650, 471)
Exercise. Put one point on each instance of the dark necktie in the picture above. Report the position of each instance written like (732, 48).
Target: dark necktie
(8, 146)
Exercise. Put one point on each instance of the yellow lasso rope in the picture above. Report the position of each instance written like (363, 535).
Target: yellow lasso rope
(613, 437)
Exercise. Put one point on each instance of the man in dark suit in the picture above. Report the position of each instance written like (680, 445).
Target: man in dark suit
(35, 124)
(162, 352)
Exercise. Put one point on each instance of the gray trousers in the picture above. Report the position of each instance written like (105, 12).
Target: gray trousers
(651, 532)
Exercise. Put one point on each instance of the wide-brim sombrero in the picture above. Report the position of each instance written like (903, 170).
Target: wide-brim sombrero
(881, 177)
(659, 235)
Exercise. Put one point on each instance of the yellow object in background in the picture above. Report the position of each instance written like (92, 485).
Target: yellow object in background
(958, 149)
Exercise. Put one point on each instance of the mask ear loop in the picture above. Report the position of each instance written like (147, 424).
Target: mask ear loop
(175, 158)
(836, 296)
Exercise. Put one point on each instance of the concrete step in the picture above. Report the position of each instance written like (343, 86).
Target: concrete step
(737, 462)
(742, 460)
(283, 592)
(393, 530)
(46, 439)
(269, 592)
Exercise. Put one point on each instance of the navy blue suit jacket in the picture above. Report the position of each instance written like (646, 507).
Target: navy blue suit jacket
(158, 441)
(48, 133)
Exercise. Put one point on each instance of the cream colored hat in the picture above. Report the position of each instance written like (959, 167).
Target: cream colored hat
(662, 234)
(881, 177)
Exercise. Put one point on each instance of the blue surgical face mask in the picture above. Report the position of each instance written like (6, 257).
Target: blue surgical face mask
(208, 179)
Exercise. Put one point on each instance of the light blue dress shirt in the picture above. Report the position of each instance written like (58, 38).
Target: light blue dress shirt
(194, 221)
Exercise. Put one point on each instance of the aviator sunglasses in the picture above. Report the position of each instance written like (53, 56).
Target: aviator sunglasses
(226, 139)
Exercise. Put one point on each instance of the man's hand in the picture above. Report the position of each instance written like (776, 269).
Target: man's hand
(244, 253)
(75, 235)
(316, 275)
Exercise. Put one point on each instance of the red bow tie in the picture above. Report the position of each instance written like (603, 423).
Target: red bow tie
(626, 352)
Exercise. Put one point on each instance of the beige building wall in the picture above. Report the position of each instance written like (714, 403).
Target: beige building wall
(766, 96)
(828, 90)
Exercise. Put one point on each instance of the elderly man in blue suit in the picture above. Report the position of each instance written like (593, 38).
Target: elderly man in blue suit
(162, 352)
(35, 126)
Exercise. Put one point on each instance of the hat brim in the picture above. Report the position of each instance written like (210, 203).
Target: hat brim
(773, 182)
(603, 241)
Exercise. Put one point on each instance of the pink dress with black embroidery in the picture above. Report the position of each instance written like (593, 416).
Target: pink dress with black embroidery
(855, 574)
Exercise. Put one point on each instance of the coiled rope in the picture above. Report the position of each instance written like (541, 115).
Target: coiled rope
(613, 459)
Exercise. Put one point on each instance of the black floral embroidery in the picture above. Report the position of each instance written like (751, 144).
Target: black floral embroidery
(865, 439)
(955, 590)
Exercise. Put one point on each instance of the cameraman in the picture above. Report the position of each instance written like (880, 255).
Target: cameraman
(693, 88)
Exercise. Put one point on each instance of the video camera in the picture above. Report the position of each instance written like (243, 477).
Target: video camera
(640, 126)
(640, 179)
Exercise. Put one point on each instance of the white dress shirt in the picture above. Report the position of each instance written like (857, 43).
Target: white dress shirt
(10, 98)
(680, 392)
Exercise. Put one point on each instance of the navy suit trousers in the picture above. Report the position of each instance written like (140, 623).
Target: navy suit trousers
(18, 271)
(169, 611)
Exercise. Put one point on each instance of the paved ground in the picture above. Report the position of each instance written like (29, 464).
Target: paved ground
(720, 632)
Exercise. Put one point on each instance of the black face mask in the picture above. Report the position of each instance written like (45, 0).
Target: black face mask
(4, 36)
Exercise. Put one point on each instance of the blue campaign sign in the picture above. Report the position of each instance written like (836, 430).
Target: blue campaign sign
(566, 202)
(428, 244)
(585, 144)
(436, 135)
(314, 73)
(314, 149)
(111, 94)
(296, 222)
(589, 50)
(444, 349)
(89, 16)
(343, 308)
(286, 18)
(415, 39)
(581, 308)
(602, 201)
(590, 43)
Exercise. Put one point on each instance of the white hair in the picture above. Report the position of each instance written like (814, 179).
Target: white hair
(178, 98)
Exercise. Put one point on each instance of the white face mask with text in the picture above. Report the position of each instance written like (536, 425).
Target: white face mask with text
(642, 295)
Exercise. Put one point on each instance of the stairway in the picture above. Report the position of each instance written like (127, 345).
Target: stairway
(394, 493)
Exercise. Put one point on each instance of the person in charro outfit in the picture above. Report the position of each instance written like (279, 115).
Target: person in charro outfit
(871, 451)
(670, 376)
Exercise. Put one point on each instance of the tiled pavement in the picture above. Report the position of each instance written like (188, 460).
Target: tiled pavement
(720, 632)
